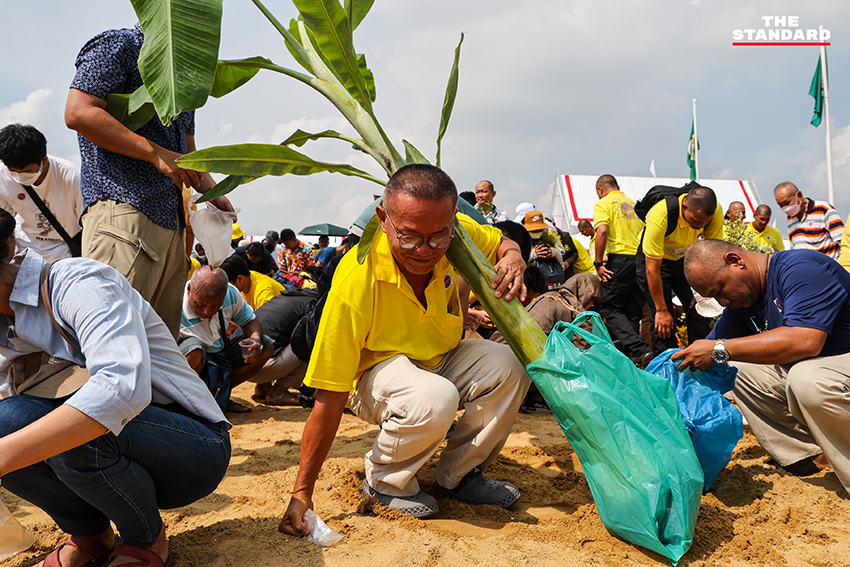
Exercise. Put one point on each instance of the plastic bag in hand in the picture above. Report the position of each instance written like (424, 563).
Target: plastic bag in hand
(214, 230)
(715, 425)
(320, 533)
(625, 426)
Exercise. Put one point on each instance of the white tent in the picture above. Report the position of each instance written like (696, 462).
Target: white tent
(575, 195)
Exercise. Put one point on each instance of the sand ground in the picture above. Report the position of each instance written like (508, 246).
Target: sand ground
(752, 516)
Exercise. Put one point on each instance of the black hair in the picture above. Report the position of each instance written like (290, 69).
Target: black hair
(421, 181)
(702, 200)
(287, 234)
(535, 280)
(235, 265)
(271, 240)
(7, 242)
(255, 249)
(518, 234)
(468, 196)
(21, 145)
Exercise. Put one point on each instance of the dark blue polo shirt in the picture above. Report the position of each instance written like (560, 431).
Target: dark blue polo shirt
(108, 63)
(804, 289)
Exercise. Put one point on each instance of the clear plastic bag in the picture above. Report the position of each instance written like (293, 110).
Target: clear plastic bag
(214, 230)
(320, 533)
(14, 538)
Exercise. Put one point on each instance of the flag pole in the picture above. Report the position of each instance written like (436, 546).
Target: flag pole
(826, 113)
(696, 143)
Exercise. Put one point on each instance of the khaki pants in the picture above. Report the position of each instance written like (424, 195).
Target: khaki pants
(415, 407)
(283, 366)
(800, 410)
(151, 257)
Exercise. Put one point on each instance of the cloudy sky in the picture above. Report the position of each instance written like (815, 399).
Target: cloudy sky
(581, 87)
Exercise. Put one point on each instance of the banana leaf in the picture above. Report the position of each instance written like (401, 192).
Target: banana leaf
(449, 100)
(180, 52)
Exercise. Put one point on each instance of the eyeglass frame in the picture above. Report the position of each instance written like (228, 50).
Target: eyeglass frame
(419, 241)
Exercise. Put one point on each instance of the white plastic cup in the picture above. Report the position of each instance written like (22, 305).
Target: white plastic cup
(246, 345)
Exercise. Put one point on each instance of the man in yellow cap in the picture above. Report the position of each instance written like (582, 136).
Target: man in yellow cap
(238, 235)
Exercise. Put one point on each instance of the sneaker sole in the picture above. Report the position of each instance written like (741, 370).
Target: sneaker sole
(505, 502)
(418, 511)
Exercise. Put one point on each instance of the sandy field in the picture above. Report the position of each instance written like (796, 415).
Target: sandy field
(752, 517)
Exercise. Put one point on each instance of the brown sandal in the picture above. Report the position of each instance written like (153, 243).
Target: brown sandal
(147, 558)
(98, 552)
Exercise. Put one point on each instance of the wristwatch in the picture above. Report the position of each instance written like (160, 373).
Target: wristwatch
(597, 264)
(720, 355)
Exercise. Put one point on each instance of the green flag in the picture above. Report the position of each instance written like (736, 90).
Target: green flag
(693, 146)
(816, 92)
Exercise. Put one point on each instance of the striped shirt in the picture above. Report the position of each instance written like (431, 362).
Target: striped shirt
(820, 229)
(234, 309)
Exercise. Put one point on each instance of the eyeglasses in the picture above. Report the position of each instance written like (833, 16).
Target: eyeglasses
(414, 242)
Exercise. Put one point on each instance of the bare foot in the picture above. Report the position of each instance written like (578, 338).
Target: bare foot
(821, 462)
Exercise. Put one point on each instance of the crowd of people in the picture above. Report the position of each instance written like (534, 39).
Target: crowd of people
(98, 272)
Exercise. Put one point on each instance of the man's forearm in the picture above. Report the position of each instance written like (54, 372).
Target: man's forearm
(87, 115)
(601, 242)
(783, 345)
(317, 438)
(656, 286)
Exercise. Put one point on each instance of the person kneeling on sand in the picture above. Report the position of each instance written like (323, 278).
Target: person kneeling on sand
(786, 327)
(389, 344)
(140, 434)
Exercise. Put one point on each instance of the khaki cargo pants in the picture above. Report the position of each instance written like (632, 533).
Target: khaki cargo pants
(151, 257)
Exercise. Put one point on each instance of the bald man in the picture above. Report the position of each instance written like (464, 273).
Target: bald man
(786, 327)
(484, 195)
(210, 304)
(736, 210)
(762, 232)
(812, 225)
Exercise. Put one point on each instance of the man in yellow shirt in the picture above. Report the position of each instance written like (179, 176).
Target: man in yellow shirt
(762, 232)
(618, 231)
(255, 287)
(661, 267)
(389, 343)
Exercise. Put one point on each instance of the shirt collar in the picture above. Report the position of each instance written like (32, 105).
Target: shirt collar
(25, 291)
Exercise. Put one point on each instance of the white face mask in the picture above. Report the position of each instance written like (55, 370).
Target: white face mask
(793, 210)
(25, 178)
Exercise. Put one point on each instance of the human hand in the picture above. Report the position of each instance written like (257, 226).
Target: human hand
(664, 324)
(165, 162)
(480, 316)
(543, 251)
(293, 519)
(697, 355)
(509, 272)
(223, 204)
(254, 350)
(604, 273)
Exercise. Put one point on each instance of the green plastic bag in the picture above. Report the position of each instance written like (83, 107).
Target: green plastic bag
(624, 424)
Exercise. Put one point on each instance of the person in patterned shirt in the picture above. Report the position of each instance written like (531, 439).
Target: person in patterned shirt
(484, 195)
(295, 255)
(133, 209)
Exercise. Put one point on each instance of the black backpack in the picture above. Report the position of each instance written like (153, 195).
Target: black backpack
(304, 335)
(669, 194)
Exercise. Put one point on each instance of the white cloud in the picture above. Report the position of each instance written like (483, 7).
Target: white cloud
(33, 110)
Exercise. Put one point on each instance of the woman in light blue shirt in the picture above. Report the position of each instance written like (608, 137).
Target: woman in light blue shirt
(143, 433)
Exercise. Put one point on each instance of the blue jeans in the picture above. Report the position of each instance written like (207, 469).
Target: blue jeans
(161, 459)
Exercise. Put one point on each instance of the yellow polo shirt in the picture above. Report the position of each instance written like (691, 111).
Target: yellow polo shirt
(372, 314)
(770, 236)
(618, 211)
(263, 288)
(656, 245)
(584, 265)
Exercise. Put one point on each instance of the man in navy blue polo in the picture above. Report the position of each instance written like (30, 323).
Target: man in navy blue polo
(131, 185)
(786, 327)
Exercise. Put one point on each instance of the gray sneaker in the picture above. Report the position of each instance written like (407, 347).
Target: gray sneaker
(475, 488)
(420, 505)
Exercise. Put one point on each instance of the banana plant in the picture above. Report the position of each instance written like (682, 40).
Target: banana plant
(180, 72)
